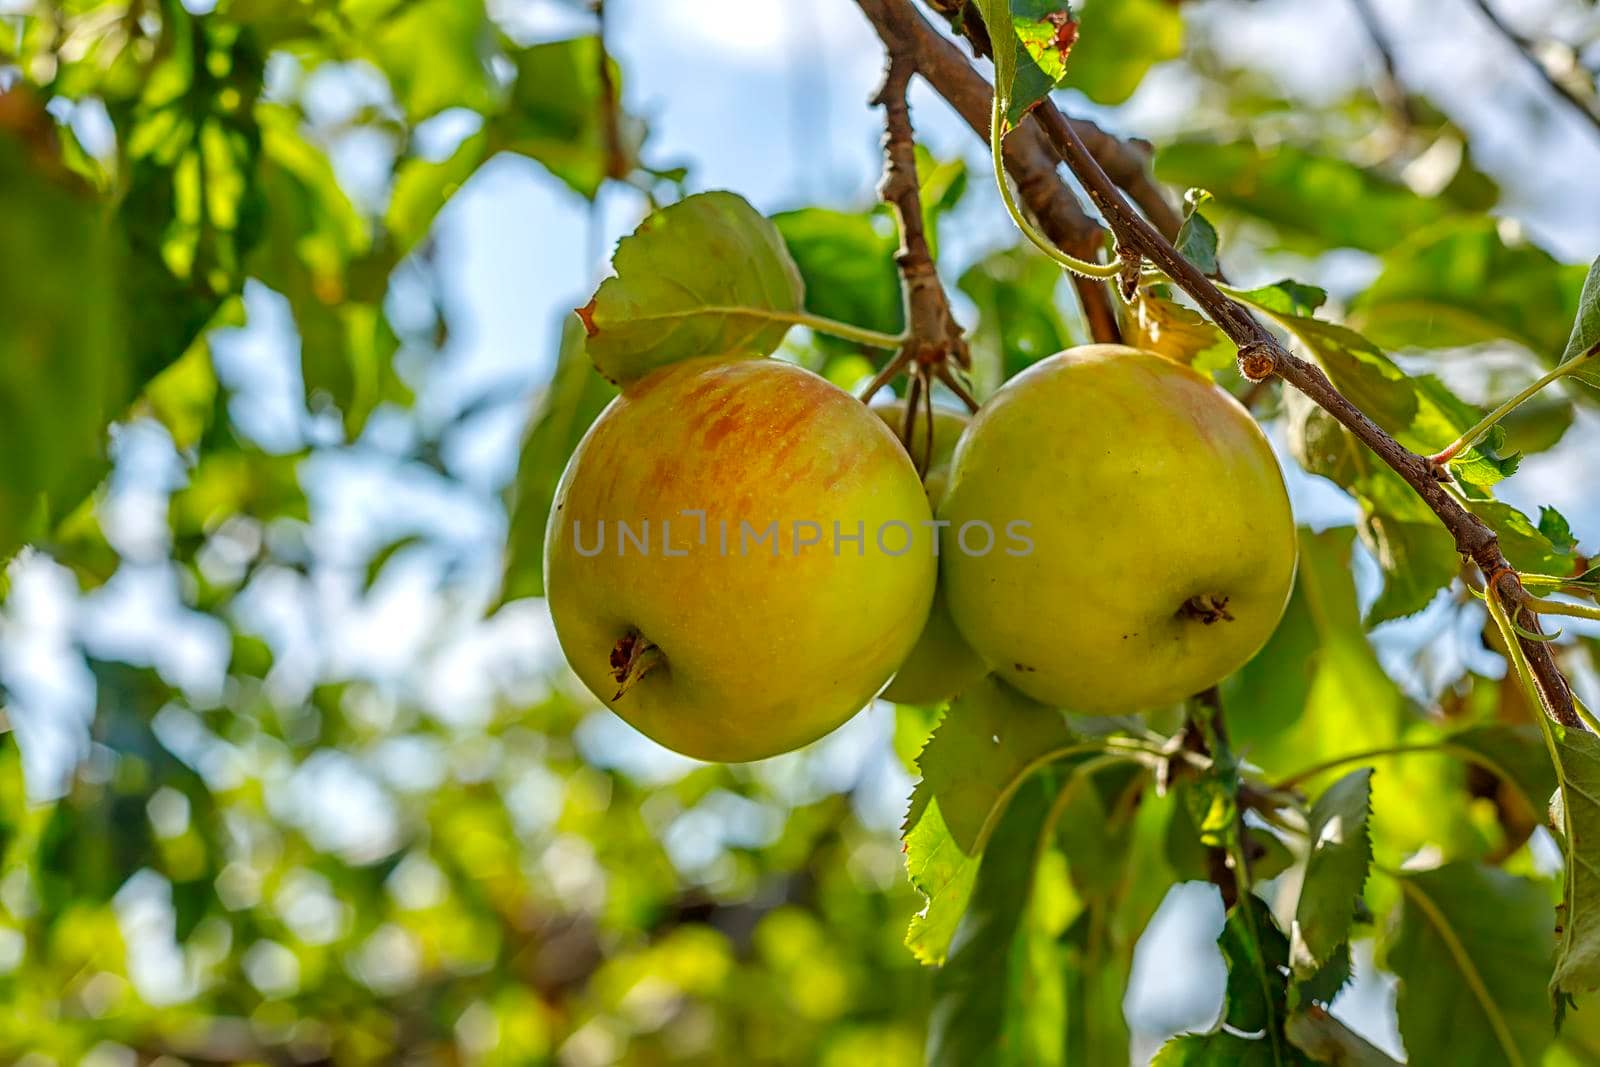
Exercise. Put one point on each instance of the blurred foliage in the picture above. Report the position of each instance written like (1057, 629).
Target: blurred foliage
(298, 863)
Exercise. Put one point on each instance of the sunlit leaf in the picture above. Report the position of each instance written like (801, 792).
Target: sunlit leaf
(1585, 335)
(648, 315)
(846, 261)
(988, 742)
(1118, 42)
(1018, 320)
(1463, 282)
(1159, 325)
(1526, 546)
(983, 1008)
(1197, 238)
(1575, 813)
(422, 186)
(1336, 871)
(1315, 201)
(560, 114)
(435, 53)
(1022, 34)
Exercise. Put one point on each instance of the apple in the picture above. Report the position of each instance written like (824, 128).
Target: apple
(1160, 546)
(941, 665)
(739, 556)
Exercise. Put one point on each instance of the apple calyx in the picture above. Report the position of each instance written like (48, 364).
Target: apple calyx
(1207, 608)
(632, 657)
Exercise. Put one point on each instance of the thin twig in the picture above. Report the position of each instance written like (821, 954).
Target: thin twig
(1391, 90)
(1126, 162)
(617, 165)
(1262, 355)
(931, 328)
(952, 383)
(1028, 156)
(933, 342)
(1526, 49)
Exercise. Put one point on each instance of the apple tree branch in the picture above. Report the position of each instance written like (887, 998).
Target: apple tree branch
(1262, 355)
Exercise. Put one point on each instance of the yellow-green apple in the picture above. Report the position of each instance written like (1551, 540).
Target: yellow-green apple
(739, 555)
(941, 665)
(1144, 547)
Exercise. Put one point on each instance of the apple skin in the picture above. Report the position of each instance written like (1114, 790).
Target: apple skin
(942, 665)
(758, 653)
(1145, 486)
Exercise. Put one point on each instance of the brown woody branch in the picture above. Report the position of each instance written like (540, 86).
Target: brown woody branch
(1528, 50)
(1262, 355)
(1126, 162)
(934, 335)
(1029, 158)
(933, 339)
(618, 166)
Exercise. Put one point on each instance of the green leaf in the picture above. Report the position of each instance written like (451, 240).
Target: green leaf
(1585, 335)
(1324, 984)
(846, 262)
(990, 739)
(1268, 694)
(1526, 547)
(1257, 955)
(980, 1005)
(318, 254)
(1553, 526)
(62, 361)
(183, 398)
(1118, 42)
(1197, 238)
(987, 743)
(1462, 282)
(422, 186)
(1101, 941)
(1220, 1049)
(744, 288)
(1018, 320)
(1254, 1003)
(1094, 844)
(939, 870)
(1360, 369)
(1516, 754)
(557, 115)
(1473, 957)
(563, 413)
(941, 186)
(1315, 201)
(194, 208)
(1336, 871)
(1036, 31)
(1418, 559)
(1575, 813)
(435, 53)
(1287, 296)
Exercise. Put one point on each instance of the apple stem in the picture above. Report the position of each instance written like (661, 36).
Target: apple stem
(632, 657)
